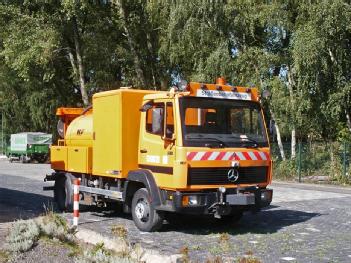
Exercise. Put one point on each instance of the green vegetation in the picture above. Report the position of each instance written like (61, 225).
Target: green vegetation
(324, 162)
(53, 229)
(25, 233)
(23, 236)
(99, 254)
(4, 256)
(58, 53)
(120, 231)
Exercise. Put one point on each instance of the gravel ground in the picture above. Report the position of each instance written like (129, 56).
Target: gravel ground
(45, 251)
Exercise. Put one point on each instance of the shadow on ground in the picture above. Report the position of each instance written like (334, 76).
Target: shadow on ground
(267, 221)
(264, 222)
(16, 205)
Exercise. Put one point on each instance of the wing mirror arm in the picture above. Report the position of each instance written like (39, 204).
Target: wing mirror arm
(172, 138)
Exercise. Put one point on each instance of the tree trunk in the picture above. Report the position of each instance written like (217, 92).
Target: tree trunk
(80, 64)
(279, 139)
(293, 143)
(73, 63)
(292, 101)
(132, 45)
(152, 58)
(348, 120)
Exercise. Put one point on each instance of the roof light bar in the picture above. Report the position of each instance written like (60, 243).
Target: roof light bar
(234, 89)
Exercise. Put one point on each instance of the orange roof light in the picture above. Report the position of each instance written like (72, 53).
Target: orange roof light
(220, 81)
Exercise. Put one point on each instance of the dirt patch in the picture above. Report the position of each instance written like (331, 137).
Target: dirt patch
(46, 251)
(4, 228)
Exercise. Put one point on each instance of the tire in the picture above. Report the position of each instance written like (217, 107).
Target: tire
(145, 217)
(22, 159)
(63, 192)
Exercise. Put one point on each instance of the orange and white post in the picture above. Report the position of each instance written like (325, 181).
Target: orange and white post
(76, 202)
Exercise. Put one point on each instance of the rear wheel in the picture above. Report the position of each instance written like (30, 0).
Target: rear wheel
(22, 159)
(145, 217)
(63, 192)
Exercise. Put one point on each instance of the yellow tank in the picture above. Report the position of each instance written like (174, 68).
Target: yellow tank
(80, 131)
(104, 140)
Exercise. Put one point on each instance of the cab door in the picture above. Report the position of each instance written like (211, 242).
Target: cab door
(156, 146)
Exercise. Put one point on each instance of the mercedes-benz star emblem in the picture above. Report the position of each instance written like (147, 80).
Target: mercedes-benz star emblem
(233, 175)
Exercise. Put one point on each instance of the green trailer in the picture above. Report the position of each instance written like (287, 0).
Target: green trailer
(29, 146)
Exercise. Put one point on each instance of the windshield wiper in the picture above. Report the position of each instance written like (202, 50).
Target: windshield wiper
(221, 143)
(255, 143)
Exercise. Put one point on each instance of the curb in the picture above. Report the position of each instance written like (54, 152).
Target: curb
(120, 245)
(316, 187)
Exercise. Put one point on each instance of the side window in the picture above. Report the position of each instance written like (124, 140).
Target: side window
(169, 120)
(155, 119)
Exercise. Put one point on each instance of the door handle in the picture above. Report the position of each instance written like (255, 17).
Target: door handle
(143, 150)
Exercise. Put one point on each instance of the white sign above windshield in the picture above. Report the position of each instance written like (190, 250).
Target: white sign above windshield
(221, 94)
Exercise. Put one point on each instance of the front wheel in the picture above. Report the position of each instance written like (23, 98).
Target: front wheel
(145, 217)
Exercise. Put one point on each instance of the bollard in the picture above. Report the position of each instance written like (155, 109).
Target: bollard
(76, 184)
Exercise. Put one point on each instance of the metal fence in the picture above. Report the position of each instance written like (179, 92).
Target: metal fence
(313, 161)
(2, 134)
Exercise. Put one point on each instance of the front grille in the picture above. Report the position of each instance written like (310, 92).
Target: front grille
(247, 175)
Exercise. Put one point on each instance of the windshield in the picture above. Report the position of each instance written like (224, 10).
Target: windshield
(222, 123)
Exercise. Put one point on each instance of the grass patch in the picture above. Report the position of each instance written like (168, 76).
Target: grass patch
(120, 231)
(99, 254)
(4, 256)
(215, 260)
(53, 229)
(25, 234)
(248, 258)
(73, 247)
(184, 251)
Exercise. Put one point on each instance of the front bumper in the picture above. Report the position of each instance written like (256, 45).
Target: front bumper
(220, 201)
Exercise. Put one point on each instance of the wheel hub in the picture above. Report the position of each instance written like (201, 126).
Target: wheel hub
(141, 210)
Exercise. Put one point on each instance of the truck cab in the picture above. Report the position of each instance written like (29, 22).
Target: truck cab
(203, 150)
(207, 149)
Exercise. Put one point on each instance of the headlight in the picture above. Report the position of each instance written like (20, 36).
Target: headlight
(190, 200)
(266, 196)
(193, 200)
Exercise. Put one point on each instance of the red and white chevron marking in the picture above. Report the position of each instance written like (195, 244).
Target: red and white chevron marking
(76, 184)
(228, 156)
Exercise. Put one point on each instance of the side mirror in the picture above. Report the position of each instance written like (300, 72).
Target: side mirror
(146, 106)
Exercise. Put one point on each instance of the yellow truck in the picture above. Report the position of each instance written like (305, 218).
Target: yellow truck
(203, 150)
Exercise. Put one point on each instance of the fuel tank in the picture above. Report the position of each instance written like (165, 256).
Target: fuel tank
(80, 131)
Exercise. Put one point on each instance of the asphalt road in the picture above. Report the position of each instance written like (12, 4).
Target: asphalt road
(305, 223)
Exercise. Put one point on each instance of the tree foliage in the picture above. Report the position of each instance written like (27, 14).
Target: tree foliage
(51, 52)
